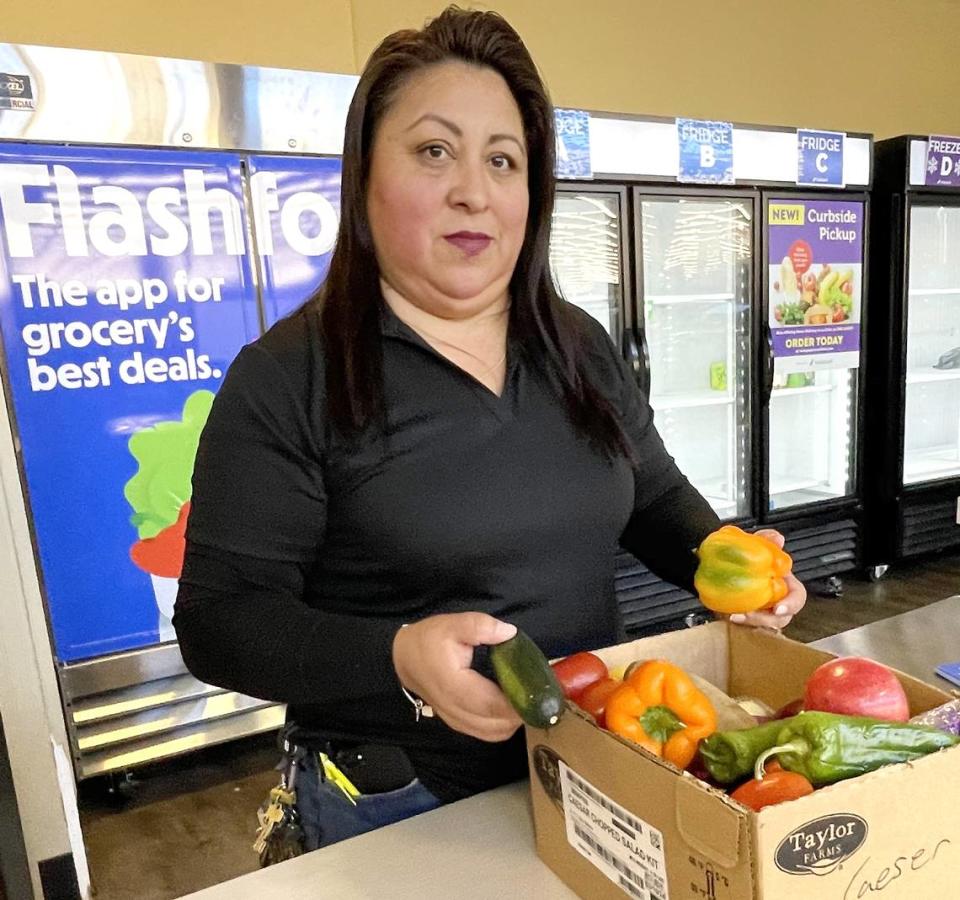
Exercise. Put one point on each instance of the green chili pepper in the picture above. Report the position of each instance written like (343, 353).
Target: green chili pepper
(730, 755)
(825, 748)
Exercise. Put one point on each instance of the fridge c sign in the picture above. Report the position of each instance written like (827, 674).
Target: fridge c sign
(706, 151)
(820, 158)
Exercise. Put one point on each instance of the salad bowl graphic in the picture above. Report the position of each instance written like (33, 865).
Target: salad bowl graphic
(159, 494)
(821, 295)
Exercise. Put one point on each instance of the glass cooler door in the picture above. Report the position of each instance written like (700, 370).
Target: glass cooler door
(812, 435)
(586, 257)
(696, 255)
(932, 414)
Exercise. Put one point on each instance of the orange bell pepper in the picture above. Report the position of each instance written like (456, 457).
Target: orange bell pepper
(740, 572)
(661, 709)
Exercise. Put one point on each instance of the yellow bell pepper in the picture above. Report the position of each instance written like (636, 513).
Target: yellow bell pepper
(740, 572)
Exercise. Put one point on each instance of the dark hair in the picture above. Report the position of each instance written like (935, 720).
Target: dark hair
(350, 298)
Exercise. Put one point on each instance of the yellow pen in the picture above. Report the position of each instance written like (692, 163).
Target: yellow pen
(335, 776)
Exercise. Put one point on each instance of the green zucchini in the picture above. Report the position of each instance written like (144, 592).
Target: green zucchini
(525, 676)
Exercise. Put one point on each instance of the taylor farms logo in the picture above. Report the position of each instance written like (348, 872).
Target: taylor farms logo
(818, 847)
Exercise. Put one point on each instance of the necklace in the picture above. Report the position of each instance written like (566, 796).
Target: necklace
(470, 361)
(432, 338)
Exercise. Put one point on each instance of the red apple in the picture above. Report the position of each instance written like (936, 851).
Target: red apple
(856, 686)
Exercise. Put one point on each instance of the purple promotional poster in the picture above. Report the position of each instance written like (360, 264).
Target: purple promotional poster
(815, 255)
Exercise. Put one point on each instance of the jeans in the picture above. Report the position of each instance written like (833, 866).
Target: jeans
(327, 816)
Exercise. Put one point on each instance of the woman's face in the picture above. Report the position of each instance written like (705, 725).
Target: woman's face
(447, 194)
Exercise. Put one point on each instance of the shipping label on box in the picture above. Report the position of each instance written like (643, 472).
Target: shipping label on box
(629, 852)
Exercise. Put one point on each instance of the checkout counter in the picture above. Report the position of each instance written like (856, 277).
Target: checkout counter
(483, 847)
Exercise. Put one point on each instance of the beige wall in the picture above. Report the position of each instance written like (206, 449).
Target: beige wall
(885, 66)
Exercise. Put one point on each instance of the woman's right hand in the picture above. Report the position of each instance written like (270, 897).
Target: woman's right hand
(433, 658)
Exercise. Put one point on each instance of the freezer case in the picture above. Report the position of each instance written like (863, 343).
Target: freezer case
(913, 447)
(931, 428)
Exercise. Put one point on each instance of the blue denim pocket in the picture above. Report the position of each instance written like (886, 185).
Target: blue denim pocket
(327, 816)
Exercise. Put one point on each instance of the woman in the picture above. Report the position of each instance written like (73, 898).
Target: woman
(434, 441)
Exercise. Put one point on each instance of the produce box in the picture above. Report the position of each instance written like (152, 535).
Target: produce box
(614, 821)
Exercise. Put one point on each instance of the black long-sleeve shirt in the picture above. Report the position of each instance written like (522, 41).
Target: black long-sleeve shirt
(307, 551)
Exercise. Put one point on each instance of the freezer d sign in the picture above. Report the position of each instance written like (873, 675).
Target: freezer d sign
(943, 161)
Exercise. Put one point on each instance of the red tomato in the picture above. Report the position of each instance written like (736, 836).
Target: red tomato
(856, 686)
(594, 699)
(576, 673)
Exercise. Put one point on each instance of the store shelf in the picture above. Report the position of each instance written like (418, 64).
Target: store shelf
(722, 506)
(141, 698)
(808, 389)
(933, 292)
(814, 492)
(690, 401)
(923, 376)
(673, 299)
(135, 707)
(937, 462)
(789, 485)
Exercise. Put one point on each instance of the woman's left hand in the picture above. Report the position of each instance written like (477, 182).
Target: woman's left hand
(779, 616)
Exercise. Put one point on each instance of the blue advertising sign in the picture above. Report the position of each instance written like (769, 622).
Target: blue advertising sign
(296, 211)
(706, 151)
(573, 143)
(125, 292)
(820, 158)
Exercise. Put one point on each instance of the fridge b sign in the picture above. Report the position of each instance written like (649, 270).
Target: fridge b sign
(706, 151)
(820, 158)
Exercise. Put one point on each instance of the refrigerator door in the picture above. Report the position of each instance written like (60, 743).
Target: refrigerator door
(586, 254)
(697, 264)
(815, 250)
(812, 435)
(931, 440)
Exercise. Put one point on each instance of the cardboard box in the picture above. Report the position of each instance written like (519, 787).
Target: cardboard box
(613, 821)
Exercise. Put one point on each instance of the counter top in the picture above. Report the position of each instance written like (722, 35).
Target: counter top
(478, 849)
(914, 642)
(483, 847)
